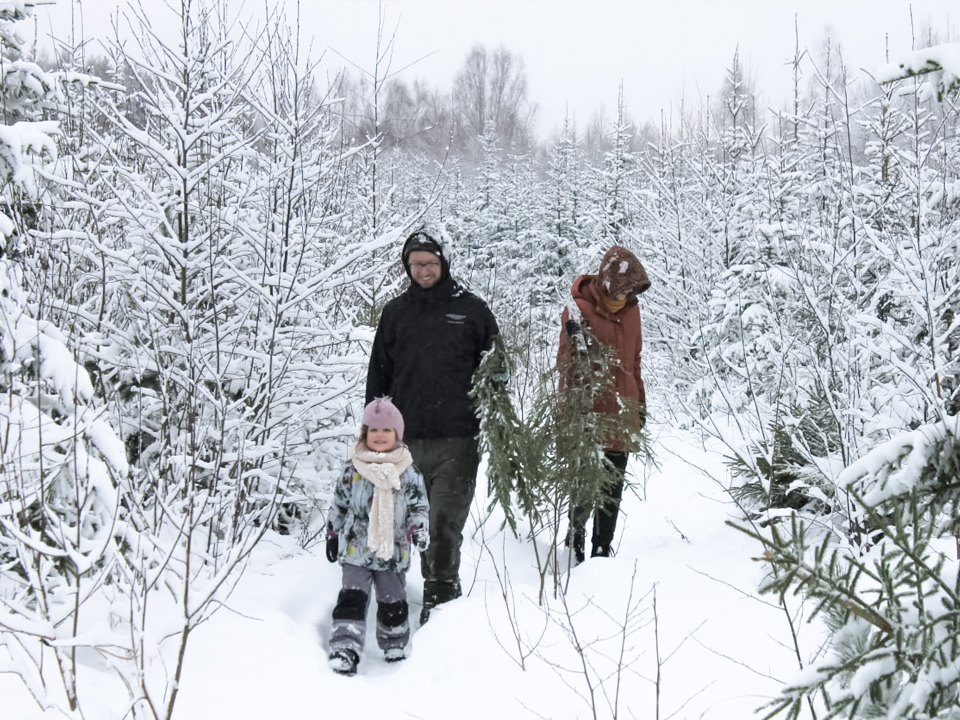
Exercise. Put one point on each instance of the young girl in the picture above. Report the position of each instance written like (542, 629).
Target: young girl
(379, 513)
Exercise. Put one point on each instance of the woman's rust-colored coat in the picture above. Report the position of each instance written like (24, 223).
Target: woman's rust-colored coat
(623, 332)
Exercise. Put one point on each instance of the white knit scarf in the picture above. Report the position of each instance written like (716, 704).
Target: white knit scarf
(383, 469)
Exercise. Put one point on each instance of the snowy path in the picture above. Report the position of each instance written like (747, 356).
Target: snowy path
(722, 652)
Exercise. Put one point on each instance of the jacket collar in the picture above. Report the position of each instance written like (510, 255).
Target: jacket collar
(585, 288)
(445, 289)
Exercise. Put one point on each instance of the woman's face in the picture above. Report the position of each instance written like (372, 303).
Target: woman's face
(381, 439)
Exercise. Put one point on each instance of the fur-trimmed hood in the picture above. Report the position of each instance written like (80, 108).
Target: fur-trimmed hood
(621, 272)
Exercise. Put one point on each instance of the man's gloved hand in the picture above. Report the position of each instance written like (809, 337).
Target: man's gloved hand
(572, 327)
(333, 548)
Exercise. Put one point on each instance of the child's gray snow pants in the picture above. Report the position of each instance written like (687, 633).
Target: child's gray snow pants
(350, 613)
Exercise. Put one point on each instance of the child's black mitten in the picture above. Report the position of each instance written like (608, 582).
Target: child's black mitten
(333, 548)
(420, 539)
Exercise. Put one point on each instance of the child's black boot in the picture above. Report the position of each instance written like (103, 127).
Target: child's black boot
(344, 662)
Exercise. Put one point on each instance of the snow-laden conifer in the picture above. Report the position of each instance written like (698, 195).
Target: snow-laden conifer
(889, 592)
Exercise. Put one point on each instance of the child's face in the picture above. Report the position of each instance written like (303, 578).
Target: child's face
(381, 439)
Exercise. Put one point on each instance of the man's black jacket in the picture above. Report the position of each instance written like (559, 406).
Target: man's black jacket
(427, 347)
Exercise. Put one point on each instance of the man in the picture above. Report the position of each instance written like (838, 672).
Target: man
(428, 344)
(605, 310)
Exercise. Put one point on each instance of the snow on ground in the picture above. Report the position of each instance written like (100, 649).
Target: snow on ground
(718, 650)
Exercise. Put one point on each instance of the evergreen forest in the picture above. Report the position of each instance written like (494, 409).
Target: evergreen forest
(197, 236)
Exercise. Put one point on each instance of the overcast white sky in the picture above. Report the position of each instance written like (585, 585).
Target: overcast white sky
(577, 52)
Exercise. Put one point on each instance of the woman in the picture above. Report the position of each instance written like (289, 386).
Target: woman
(605, 310)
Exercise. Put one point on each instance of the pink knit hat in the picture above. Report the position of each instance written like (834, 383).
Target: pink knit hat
(383, 415)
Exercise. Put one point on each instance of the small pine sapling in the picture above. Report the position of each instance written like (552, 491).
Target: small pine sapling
(512, 465)
(892, 605)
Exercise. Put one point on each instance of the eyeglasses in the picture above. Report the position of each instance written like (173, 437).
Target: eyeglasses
(424, 266)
